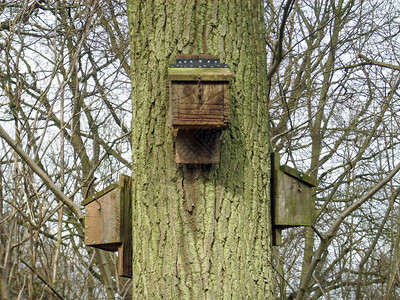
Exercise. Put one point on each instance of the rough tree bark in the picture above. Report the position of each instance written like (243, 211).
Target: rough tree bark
(200, 231)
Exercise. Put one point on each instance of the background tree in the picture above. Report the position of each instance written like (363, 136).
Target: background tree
(332, 107)
(64, 90)
(331, 74)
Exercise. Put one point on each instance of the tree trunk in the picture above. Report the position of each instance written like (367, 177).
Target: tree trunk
(201, 231)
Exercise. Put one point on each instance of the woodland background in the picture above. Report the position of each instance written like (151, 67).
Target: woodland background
(333, 100)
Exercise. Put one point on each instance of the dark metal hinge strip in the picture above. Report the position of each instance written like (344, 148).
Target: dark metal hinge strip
(198, 63)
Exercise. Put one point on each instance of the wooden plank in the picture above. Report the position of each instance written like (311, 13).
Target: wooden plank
(200, 125)
(197, 146)
(204, 105)
(275, 161)
(102, 222)
(204, 109)
(299, 175)
(210, 109)
(193, 74)
(276, 236)
(125, 250)
(201, 107)
(191, 111)
(225, 87)
(205, 120)
(212, 119)
(98, 194)
(295, 202)
(292, 201)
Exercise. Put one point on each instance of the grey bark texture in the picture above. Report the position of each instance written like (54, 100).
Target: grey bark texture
(203, 231)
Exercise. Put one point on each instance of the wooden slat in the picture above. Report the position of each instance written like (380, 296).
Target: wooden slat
(194, 109)
(199, 124)
(201, 118)
(102, 222)
(312, 181)
(189, 111)
(276, 236)
(125, 250)
(201, 107)
(98, 194)
(209, 110)
(204, 121)
(193, 74)
(226, 102)
(292, 201)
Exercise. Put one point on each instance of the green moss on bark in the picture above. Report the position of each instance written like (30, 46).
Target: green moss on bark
(200, 232)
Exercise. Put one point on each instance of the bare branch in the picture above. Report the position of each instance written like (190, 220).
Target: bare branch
(377, 63)
(330, 235)
(49, 183)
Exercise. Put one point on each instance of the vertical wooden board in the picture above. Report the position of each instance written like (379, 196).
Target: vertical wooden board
(226, 102)
(291, 196)
(103, 222)
(295, 205)
(276, 236)
(197, 146)
(125, 249)
(275, 161)
(171, 105)
(176, 91)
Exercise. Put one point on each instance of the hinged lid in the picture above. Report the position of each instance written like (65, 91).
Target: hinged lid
(195, 67)
(311, 181)
(96, 196)
(198, 62)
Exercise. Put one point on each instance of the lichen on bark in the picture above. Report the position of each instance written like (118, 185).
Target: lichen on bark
(200, 231)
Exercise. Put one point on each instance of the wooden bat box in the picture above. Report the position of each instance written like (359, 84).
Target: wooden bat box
(199, 92)
(291, 194)
(199, 107)
(108, 222)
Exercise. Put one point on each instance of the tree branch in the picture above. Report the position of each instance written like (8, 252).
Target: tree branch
(377, 63)
(335, 227)
(42, 279)
(43, 175)
(278, 47)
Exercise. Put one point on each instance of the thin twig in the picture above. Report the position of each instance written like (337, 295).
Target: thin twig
(378, 63)
(42, 279)
(42, 174)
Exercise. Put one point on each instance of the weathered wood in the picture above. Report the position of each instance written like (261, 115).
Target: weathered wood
(276, 236)
(199, 97)
(199, 105)
(193, 74)
(311, 181)
(197, 146)
(102, 221)
(93, 197)
(125, 250)
(292, 202)
(108, 222)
